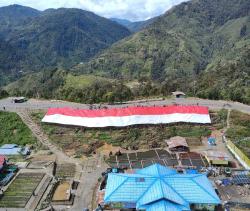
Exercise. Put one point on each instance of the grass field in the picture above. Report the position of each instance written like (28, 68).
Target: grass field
(82, 81)
(20, 190)
(240, 129)
(13, 130)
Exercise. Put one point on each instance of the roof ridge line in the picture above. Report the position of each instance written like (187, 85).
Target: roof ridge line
(203, 188)
(156, 179)
(117, 187)
(186, 202)
(158, 171)
(167, 168)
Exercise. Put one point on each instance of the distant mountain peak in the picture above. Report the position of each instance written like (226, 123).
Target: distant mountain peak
(133, 26)
(56, 37)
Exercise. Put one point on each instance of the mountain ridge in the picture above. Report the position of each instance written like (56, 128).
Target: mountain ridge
(54, 38)
(181, 46)
(199, 46)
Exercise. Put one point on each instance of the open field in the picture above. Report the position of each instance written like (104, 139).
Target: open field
(13, 130)
(76, 141)
(20, 190)
(240, 130)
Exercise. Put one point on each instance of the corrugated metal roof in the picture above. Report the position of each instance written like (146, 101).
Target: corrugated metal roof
(176, 142)
(8, 146)
(164, 205)
(13, 151)
(156, 183)
(216, 155)
(161, 190)
(156, 170)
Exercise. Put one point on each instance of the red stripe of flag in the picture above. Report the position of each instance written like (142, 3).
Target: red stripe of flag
(130, 111)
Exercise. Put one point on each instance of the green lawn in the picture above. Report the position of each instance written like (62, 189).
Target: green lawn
(13, 130)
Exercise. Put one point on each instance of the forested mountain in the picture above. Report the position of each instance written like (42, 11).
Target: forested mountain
(133, 26)
(16, 13)
(201, 47)
(184, 47)
(53, 38)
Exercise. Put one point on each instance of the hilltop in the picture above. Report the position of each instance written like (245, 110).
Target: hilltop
(201, 47)
(54, 38)
(191, 43)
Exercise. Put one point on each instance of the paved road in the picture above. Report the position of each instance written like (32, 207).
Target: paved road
(45, 104)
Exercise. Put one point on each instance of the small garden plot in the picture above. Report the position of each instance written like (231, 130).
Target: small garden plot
(19, 192)
(193, 159)
(65, 170)
(164, 154)
(161, 156)
(147, 155)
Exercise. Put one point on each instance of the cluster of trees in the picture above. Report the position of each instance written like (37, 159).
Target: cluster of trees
(97, 92)
(52, 85)
(3, 93)
(229, 80)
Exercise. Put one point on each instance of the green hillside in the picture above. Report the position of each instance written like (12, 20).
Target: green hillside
(184, 47)
(13, 130)
(60, 84)
(14, 16)
(53, 38)
(201, 47)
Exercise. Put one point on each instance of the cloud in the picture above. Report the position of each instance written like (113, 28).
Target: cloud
(127, 9)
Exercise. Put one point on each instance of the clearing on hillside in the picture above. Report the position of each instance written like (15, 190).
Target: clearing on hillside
(77, 141)
(13, 130)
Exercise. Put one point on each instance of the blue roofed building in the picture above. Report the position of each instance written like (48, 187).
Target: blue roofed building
(158, 188)
(13, 149)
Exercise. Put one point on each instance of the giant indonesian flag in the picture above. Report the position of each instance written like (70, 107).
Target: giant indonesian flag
(120, 117)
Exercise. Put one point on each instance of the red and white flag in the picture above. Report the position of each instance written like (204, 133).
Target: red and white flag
(121, 117)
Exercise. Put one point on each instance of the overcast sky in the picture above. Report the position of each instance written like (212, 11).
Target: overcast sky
(127, 9)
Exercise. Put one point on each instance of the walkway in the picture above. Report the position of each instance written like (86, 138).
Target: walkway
(43, 138)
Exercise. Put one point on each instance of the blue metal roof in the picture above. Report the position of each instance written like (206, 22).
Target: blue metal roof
(13, 151)
(8, 146)
(157, 186)
(164, 205)
(156, 170)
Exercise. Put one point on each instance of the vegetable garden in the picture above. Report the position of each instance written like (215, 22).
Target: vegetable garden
(20, 190)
